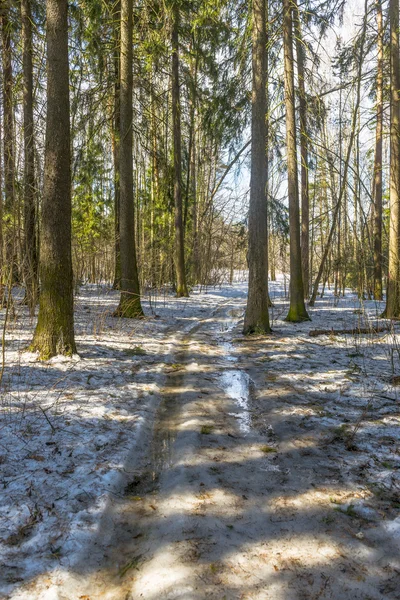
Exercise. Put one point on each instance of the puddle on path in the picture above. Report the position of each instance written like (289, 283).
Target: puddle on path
(164, 434)
(236, 383)
(238, 386)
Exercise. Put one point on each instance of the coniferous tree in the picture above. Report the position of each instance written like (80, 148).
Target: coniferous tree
(30, 243)
(54, 332)
(377, 182)
(256, 316)
(297, 309)
(305, 213)
(392, 309)
(116, 12)
(8, 140)
(129, 305)
(181, 286)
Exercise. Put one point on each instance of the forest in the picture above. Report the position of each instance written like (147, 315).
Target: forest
(199, 299)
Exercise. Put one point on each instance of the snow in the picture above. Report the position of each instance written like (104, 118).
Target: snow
(70, 427)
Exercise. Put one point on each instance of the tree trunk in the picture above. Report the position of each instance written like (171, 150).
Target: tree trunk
(8, 140)
(297, 310)
(30, 250)
(377, 185)
(181, 287)
(116, 143)
(129, 305)
(392, 309)
(256, 317)
(305, 211)
(54, 332)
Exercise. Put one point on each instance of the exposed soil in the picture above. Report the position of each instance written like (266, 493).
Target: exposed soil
(268, 472)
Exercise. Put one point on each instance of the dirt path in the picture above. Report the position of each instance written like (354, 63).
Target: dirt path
(231, 498)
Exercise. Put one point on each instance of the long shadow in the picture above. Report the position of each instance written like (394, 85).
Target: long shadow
(196, 492)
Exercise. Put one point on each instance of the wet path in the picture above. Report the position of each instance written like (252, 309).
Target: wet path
(220, 501)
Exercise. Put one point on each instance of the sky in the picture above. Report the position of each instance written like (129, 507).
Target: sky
(234, 195)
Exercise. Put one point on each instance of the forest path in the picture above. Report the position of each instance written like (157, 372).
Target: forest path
(231, 498)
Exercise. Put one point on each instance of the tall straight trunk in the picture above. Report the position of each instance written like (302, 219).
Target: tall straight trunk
(8, 138)
(337, 262)
(192, 115)
(305, 209)
(377, 185)
(129, 305)
(54, 332)
(392, 309)
(30, 246)
(297, 309)
(195, 234)
(181, 287)
(256, 316)
(115, 144)
(154, 187)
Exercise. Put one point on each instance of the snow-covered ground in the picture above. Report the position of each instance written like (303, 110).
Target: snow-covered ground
(68, 425)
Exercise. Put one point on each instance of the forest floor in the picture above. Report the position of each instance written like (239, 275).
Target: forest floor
(176, 459)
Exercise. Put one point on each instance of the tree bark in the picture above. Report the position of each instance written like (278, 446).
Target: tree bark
(30, 249)
(181, 286)
(54, 332)
(8, 140)
(256, 317)
(116, 144)
(297, 309)
(305, 210)
(377, 185)
(392, 309)
(129, 305)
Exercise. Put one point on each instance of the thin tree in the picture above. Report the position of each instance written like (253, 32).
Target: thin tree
(129, 305)
(343, 184)
(8, 139)
(30, 242)
(115, 139)
(297, 310)
(181, 286)
(392, 309)
(305, 211)
(377, 184)
(54, 332)
(256, 317)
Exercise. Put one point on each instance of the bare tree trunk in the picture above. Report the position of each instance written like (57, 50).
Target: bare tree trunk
(256, 316)
(392, 309)
(30, 253)
(116, 143)
(8, 139)
(377, 185)
(54, 332)
(129, 304)
(305, 210)
(195, 234)
(297, 309)
(181, 287)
